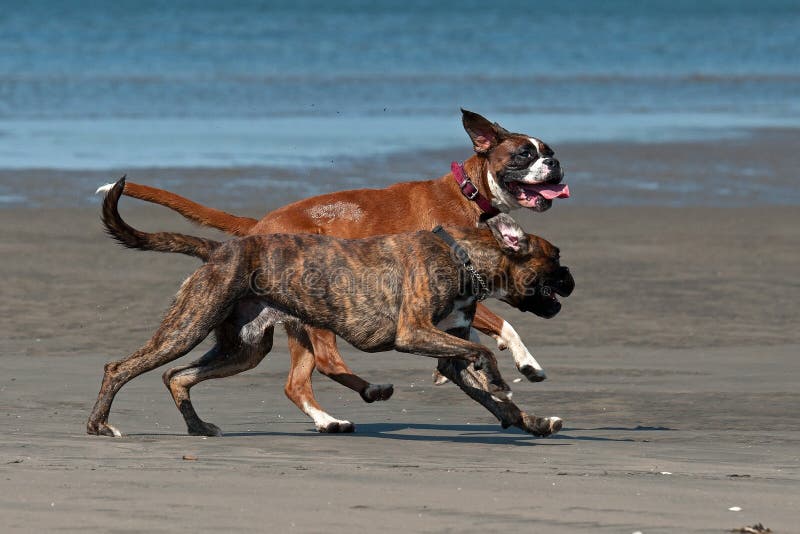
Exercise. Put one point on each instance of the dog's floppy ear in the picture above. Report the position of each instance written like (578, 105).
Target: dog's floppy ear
(509, 235)
(485, 135)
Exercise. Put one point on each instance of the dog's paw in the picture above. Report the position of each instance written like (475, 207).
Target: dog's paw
(377, 392)
(541, 426)
(337, 427)
(533, 374)
(553, 425)
(439, 378)
(205, 429)
(103, 429)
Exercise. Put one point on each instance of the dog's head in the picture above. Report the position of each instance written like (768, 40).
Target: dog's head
(515, 163)
(533, 275)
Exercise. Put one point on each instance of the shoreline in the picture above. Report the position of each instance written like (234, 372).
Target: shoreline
(302, 141)
(755, 170)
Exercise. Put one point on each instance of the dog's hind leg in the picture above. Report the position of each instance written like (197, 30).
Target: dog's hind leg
(228, 357)
(184, 326)
(329, 362)
(298, 384)
(243, 340)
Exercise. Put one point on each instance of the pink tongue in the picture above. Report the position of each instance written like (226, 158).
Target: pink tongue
(550, 191)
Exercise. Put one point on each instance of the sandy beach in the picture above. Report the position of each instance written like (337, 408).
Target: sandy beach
(673, 364)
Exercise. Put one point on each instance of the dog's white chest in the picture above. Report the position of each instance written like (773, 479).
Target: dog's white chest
(459, 317)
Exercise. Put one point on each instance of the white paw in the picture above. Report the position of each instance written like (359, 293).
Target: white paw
(113, 430)
(327, 423)
(336, 427)
(555, 424)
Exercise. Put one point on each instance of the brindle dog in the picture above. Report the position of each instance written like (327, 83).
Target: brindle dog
(413, 292)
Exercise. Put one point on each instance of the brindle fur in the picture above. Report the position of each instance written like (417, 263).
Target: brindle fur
(248, 285)
(402, 207)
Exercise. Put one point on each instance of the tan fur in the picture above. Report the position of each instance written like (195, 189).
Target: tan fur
(248, 285)
(402, 207)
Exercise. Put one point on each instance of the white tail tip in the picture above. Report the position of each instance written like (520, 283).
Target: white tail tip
(104, 189)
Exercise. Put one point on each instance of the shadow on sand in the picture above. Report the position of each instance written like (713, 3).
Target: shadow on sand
(478, 434)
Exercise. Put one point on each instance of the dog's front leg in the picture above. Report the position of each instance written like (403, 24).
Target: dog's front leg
(506, 337)
(427, 340)
(476, 385)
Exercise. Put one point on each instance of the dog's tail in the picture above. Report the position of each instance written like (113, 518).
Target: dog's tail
(231, 224)
(129, 237)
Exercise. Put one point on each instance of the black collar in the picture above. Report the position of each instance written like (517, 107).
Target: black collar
(478, 283)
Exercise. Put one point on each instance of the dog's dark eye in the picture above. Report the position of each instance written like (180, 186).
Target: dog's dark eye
(524, 154)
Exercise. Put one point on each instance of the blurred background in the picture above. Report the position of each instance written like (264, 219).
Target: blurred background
(300, 97)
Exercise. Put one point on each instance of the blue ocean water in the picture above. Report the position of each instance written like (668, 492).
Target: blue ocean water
(146, 83)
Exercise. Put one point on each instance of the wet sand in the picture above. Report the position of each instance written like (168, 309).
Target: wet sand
(674, 365)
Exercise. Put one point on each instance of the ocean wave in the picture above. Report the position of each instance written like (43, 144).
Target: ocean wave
(408, 78)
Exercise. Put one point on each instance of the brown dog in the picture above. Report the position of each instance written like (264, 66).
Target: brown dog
(413, 292)
(506, 171)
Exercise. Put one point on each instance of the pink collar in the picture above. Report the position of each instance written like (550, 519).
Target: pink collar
(469, 190)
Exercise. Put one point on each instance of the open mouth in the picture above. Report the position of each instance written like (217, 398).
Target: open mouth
(542, 298)
(548, 307)
(548, 293)
(544, 304)
(537, 195)
(550, 296)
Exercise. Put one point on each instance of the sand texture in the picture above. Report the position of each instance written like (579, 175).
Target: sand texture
(674, 365)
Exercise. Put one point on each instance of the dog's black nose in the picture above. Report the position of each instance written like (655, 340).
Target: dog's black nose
(550, 162)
